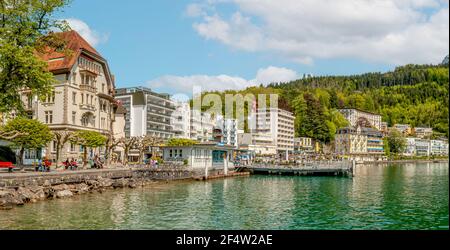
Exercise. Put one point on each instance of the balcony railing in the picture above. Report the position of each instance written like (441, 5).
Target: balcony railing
(89, 88)
(87, 107)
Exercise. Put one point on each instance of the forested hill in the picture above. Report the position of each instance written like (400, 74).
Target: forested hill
(412, 94)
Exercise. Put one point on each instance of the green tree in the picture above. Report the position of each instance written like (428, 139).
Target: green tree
(25, 31)
(61, 138)
(34, 135)
(88, 139)
(180, 142)
(396, 142)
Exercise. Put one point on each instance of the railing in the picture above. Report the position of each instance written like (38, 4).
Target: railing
(88, 88)
(307, 165)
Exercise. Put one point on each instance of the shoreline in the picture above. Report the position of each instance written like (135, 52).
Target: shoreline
(18, 189)
(405, 161)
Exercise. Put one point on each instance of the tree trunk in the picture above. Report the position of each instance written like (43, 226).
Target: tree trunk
(84, 157)
(125, 157)
(21, 152)
(58, 152)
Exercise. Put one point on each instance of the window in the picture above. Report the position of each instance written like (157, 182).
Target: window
(74, 115)
(30, 101)
(49, 117)
(54, 146)
(73, 147)
(92, 100)
(170, 153)
(103, 87)
(82, 98)
(103, 123)
(181, 153)
(50, 98)
(74, 97)
(74, 78)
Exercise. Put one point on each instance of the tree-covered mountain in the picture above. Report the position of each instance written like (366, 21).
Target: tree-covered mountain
(412, 94)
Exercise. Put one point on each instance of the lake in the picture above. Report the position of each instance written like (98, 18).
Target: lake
(403, 196)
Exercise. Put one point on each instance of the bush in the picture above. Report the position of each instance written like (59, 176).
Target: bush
(7, 155)
(185, 162)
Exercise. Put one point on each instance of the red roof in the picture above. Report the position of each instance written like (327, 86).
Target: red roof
(58, 61)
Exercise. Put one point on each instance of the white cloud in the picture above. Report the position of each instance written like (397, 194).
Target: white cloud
(387, 31)
(93, 37)
(185, 84)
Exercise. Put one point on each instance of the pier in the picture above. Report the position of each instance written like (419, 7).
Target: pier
(340, 168)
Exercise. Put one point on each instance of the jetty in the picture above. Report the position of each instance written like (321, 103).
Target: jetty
(328, 168)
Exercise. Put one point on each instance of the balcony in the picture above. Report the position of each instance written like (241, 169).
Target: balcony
(88, 107)
(85, 87)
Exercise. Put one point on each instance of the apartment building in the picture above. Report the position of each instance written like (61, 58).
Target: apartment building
(422, 147)
(229, 131)
(438, 147)
(149, 113)
(202, 126)
(259, 144)
(181, 120)
(375, 144)
(423, 132)
(356, 117)
(405, 129)
(350, 141)
(303, 145)
(410, 149)
(82, 98)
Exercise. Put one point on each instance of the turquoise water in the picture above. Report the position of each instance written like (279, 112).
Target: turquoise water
(410, 196)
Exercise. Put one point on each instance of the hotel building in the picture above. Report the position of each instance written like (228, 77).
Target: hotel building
(82, 98)
(278, 125)
(149, 113)
(356, 116)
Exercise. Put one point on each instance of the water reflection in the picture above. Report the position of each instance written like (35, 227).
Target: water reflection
(412, 196)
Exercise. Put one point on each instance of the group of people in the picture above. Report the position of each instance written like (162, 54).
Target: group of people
(96, 162)
(70, 164)
(152, 162)
(43, 165)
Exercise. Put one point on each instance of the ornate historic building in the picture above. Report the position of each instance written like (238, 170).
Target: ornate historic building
(83, 96)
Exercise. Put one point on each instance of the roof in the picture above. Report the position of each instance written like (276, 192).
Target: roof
(76, 44)
(121, 109)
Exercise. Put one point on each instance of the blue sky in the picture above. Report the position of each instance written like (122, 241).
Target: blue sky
(170, 45)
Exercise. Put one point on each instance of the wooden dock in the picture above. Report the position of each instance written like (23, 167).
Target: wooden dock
(341, 168)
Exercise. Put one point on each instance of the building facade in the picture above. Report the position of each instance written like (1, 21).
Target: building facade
(82, 98)
(350, 140)
(202, 126)
(181, 120)
(356, 116)
(149, 113)
(303, 145)
(405, 129)
(278, 125)
(423, 132)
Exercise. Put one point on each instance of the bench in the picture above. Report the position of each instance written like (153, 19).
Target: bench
(8, 165)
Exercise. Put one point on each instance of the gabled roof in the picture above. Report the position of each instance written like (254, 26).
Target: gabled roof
(76, 44)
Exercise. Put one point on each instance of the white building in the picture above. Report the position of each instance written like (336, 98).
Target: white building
(303, 145)
(202, 157)
(422, 147)
(355, 116)
(181, 120)
(410, 149)
(230, 131)
(278, 125)
(438, 148)
(149, 113)
(422, 132)
(202, 126)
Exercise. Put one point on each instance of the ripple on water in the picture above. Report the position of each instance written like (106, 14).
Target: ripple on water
(394, 197)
